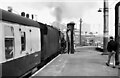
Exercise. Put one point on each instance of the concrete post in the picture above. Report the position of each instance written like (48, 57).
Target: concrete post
(80, 31)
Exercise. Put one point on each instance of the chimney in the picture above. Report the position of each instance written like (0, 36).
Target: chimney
(10, 9)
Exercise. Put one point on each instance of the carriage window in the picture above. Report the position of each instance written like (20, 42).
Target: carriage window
(9, 42)
(9, 48)
(23, 41)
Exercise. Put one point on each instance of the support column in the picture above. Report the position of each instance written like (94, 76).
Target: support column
(106, 28)
(80, 31)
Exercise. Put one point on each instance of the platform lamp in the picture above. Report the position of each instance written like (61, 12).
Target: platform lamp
(70, 28)
(106, 26)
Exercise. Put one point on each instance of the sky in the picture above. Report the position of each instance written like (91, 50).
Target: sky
(65, 11)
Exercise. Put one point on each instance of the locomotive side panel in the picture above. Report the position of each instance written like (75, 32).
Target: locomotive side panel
(51, 42)
(54, 41)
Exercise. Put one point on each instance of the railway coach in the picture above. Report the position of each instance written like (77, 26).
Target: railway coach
(25, 43)
(20, 44)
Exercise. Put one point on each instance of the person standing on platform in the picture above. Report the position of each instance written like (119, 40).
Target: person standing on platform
(63, 44)
(112, 48)
(68, 42)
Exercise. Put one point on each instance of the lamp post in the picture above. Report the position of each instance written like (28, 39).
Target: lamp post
(106, 29)
(80, 31)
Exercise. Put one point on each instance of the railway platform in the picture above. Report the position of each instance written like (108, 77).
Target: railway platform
(86, 61)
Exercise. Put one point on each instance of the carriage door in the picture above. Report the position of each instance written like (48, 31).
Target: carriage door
(35, 45)
(25, 44)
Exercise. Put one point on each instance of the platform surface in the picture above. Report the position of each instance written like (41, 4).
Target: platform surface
(84, 62)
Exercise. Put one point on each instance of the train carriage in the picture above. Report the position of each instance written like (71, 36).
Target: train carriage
(20, 44)
(25, 43)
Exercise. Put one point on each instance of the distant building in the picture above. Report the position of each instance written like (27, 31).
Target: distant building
(87, 38)
(86, 29)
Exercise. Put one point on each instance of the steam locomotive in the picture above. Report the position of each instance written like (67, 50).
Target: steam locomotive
(25, 43)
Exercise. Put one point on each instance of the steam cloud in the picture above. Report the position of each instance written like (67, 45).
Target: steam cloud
(70, 10)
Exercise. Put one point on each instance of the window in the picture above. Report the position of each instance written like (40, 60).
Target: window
(23, 41)
(9, 42)
(9, 48)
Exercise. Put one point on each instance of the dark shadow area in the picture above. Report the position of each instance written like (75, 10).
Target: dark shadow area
(99, 49)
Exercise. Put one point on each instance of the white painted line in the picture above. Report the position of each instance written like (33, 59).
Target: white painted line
(45, 66)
